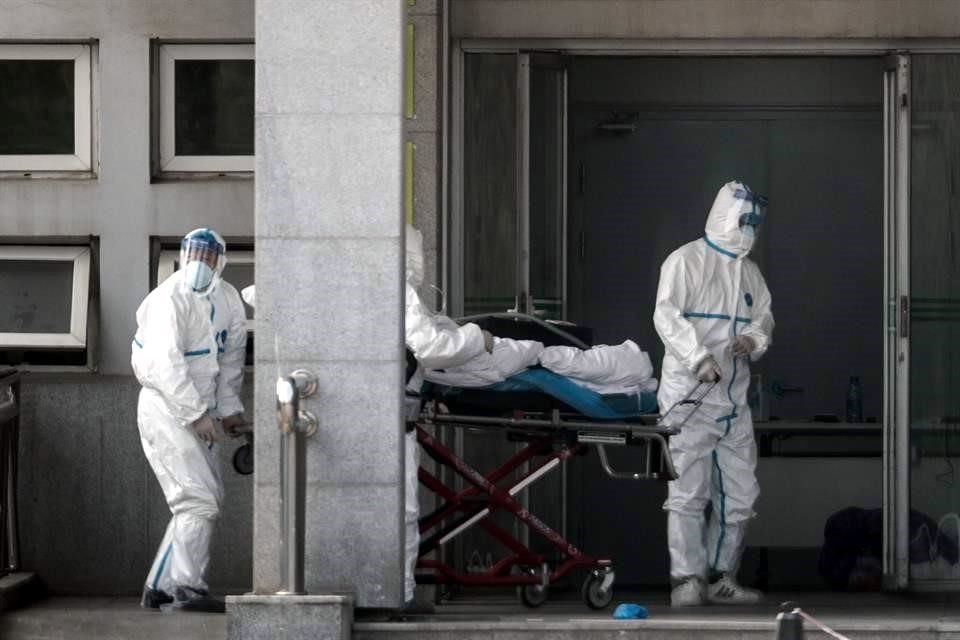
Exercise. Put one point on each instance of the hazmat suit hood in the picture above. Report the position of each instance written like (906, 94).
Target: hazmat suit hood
(414, 257)
(735, 218)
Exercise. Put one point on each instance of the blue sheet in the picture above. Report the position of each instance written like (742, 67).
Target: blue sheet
(585, 401)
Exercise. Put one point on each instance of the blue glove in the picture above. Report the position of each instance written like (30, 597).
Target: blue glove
(630, 611)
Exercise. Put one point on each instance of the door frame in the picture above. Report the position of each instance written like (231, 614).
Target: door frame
(896, 214)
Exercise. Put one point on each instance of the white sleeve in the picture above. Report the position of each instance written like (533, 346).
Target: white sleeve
(678, 334)
(761, 323)
(231, 360)
(436, 341)
(158, 360)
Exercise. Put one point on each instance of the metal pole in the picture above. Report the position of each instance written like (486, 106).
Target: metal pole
(292, 511)
(295, 426)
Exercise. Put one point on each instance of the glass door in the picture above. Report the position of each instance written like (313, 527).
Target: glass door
(511, 234)
(896, 284)
(508, 230)
(922, 408)
(934, 322)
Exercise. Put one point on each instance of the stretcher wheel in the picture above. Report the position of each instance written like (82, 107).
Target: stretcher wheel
(532, 595)
(243, 460)
(593, 592)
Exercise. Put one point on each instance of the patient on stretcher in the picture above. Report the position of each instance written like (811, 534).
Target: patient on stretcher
(615, 369)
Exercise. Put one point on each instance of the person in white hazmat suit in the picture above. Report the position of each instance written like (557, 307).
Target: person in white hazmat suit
(188, 355)
(713, 313)
(436, 342)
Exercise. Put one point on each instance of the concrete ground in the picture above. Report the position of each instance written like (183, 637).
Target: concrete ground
(858, 616)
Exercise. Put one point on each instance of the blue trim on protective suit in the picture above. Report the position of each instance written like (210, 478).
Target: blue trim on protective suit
(715, 316)
(723, 513)
(163, 563)
(711, 316)
(137, 342)
(197, 352)
(718, 249)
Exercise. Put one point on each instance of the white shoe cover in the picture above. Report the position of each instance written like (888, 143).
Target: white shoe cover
(688, 593)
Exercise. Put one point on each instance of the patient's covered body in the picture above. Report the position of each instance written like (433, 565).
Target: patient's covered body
(615, 369)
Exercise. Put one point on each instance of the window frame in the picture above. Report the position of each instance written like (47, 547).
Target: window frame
(167, 161)
(81, 159)
(167, 258)
(77, 338)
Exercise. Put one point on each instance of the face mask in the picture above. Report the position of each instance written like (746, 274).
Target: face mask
(198, 275)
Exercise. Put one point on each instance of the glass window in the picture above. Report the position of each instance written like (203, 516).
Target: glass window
(46, 295)
(36, 106)
(205, 108)
(45, 108)
(214, 108)
(37, 296)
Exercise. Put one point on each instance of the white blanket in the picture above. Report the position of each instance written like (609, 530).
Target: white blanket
(622, 368)
(508, 358)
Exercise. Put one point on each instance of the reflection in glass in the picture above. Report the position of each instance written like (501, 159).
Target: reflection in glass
(36, 296)
(490, 183)
(935, 306)
(36, 107)
(213, 107)
(546, 190)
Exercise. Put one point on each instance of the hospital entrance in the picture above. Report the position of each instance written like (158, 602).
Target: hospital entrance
(574, 176)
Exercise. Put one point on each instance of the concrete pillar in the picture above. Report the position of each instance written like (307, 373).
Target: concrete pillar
(329, 284)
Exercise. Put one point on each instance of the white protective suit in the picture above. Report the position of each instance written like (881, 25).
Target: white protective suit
(188, 354)
(710, 291)
(437, 342)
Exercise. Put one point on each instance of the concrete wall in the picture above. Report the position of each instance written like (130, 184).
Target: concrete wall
(91, 510)
(704, 19)
(329, 265)
(120, 205)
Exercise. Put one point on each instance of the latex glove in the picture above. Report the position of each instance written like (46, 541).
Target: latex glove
(231, 424)
(742, 345)
(205, 428)
(488, 341)
(709, 370)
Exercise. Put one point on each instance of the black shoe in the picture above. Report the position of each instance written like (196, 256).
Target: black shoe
(153, 598)
(190, 599)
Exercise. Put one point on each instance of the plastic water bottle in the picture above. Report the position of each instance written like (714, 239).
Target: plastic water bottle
(854, 400)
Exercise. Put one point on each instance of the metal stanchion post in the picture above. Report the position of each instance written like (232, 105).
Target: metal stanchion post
(789, 622)
(295, 426)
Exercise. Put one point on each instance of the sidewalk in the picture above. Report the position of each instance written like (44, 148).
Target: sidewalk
(860, 616)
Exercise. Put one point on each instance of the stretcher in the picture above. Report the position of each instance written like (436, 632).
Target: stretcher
(553, 420)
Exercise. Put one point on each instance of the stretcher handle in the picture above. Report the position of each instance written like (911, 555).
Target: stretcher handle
(703, 388)
(516, 315)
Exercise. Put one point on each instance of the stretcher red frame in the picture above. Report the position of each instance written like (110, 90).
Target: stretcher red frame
(550, 438)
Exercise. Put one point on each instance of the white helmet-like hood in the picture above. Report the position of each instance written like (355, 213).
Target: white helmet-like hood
(735, 217)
